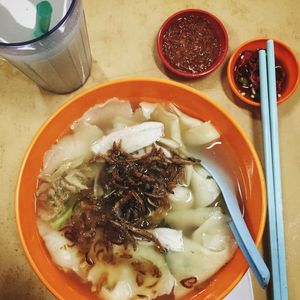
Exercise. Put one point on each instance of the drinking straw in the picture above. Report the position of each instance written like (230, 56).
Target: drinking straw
(43, 18)
(272, 167)
(276, 168)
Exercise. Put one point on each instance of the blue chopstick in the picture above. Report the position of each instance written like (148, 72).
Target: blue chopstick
(272, 170)
(276, 167)
(264, 97)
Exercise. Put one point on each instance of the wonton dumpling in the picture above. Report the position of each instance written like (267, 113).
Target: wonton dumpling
(200, 135)
(195, 132)
(67, 258)
(198, 259)
(103, 115)
(121, 291)
(114, 273)
(214, 234)
(189, 218)
(72, 147)
(181, 197)
(138, 116)
(120, 122)
(170, 121)
(121, 278)
(186, 121)
(147, 108)
(205, 189)
(169, 238)
(166, 281)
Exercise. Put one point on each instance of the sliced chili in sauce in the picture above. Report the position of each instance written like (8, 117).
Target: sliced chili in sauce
(246, 75)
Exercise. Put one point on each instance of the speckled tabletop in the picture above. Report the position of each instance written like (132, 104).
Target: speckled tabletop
(122, 35)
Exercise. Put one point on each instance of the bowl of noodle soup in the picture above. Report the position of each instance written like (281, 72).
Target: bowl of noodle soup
(233, 150)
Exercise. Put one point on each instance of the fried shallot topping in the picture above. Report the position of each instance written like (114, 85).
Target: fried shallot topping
(189, 282)
(135, 199)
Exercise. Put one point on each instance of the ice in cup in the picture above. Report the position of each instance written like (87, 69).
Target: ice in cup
(58, 60)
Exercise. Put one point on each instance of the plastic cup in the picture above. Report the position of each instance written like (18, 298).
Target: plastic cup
(58, 60)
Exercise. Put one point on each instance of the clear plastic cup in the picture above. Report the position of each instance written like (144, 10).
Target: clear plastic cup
(58, 60)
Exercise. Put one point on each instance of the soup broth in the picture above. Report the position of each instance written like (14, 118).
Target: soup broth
(123, 204)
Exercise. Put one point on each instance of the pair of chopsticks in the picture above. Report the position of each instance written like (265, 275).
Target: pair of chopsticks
(272, 170)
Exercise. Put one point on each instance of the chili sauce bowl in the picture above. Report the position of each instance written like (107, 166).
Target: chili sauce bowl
(243, 163)
(215, 27)
(283, 54)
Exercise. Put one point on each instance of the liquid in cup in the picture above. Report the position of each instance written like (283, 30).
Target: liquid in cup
(60, 60)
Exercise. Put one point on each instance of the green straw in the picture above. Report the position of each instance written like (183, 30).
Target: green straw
(43, 18)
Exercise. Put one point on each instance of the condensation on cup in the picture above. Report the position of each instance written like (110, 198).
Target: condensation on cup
(58, 60)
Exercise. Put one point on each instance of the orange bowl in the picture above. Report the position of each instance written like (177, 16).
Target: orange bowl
(235, 148)
(283, 54)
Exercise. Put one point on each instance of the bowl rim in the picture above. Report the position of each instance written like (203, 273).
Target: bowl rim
(75, 98)
(230, 77)
(220, 58)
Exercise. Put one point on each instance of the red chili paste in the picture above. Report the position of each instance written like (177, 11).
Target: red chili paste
(190, 44)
